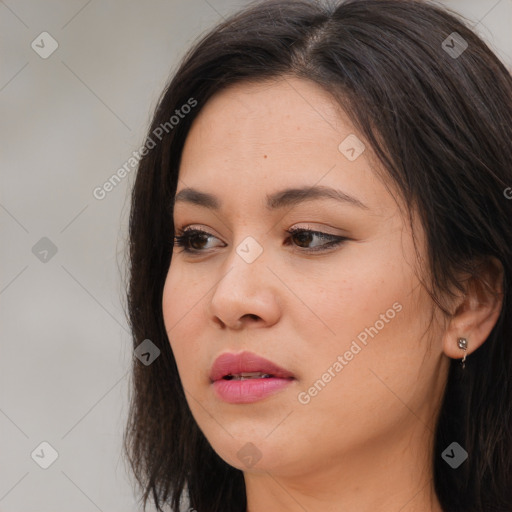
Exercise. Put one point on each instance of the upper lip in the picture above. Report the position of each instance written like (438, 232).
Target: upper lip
(245, 362)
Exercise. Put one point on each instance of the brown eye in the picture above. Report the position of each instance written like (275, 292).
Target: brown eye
(192, 240)
(304, 237)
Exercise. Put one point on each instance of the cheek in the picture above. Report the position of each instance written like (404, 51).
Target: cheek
(365, 380)
(376, 312)
(184, 294)
(352, 293)
(181, 305)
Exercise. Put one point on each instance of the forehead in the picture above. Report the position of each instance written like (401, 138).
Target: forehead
(254, 138)
(268, 114)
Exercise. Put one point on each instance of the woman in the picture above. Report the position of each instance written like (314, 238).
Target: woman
(321, 249)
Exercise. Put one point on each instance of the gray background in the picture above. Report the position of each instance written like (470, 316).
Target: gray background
(68, 122)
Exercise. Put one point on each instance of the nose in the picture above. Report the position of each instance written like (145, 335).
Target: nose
(246, 294)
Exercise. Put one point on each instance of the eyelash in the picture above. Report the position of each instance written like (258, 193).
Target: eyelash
(185, 235)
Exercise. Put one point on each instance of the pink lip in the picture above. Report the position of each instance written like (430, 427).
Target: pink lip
(250, 390)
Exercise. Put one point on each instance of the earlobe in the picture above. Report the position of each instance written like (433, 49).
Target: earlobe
(476, 314)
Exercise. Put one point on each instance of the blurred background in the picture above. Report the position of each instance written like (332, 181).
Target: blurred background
(79, 80)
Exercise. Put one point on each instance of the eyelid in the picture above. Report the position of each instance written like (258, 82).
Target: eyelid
(311, 227)
(306, 227)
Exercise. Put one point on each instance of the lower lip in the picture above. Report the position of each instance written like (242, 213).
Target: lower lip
(249, 390)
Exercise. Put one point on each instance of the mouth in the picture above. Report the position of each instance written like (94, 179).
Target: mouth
(246, 377)
(245, 366)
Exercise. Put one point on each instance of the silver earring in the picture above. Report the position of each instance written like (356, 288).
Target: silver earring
(463, 344)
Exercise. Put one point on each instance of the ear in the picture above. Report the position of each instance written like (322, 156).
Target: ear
(477, 311)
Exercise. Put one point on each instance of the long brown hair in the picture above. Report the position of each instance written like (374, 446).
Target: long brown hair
(439, 117)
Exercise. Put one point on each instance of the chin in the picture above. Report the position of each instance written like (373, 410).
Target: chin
(254, 453)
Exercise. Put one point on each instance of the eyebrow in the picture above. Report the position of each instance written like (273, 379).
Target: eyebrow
(280, 199)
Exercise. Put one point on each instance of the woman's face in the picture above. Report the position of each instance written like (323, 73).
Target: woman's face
(349, 322)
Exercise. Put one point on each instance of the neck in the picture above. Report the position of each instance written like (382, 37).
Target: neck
(385, 476)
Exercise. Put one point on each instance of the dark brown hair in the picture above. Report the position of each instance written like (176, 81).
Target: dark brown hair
(440, 123)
